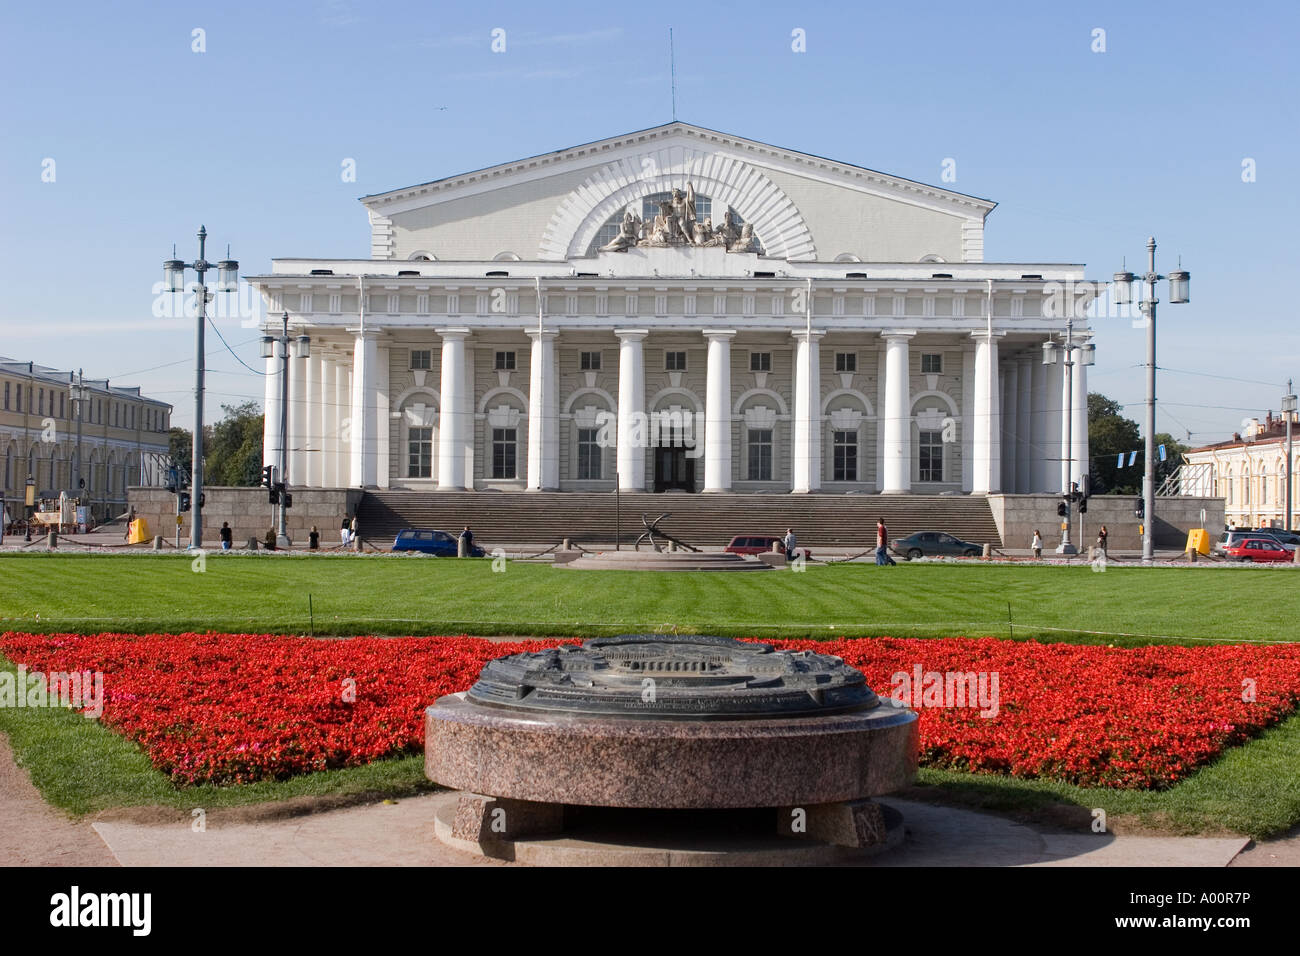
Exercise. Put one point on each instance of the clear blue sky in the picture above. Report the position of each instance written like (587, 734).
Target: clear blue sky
(1087, 153)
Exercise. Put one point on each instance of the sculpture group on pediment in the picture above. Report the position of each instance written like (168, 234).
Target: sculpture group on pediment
(678, 224)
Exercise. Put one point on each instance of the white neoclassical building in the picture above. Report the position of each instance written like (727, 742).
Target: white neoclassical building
(677, 309)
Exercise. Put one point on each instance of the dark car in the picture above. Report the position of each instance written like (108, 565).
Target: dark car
(931, 544)
(759, 544)
(438, 543)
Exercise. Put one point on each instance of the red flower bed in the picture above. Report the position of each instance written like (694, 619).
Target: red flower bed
(233, 708)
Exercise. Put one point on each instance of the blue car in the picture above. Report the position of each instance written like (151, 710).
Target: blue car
(438, 543)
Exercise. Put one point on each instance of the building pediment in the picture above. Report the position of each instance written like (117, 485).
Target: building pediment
(552, 207)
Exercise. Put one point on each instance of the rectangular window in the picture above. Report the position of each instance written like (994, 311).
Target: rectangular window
(40, 399)
(760, 454)
(503, 448)
(421, 359)
(931, 456)
(505, 361)
(6, 396)
(19, 406)
(61, 405)
(760, 361)
(419, 462)
(588, 454)
(931, 363)
(675, 361)
(846, 361)
(589, 361)
(846, 456)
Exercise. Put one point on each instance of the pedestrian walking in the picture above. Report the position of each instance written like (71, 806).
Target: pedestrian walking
(789, 542)
(313, 539)
(130, 520)
(468, 537)
(1102, 535)
(882, 544)
(227, 536)
(1037, 545)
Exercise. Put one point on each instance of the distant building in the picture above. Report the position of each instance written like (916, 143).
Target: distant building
(1249, 473)
(123, 437)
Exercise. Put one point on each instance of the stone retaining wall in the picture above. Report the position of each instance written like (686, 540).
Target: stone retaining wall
(1018, 515)
(249, 513)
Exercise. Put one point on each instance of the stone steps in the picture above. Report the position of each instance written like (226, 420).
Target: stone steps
(704, 521)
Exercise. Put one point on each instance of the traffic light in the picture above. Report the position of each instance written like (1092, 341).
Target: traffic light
(288, 500)
(274, 496)
(203, 498)
(1083, 506)
(1141, 509)
(1062, 509)
(267, 474)
(184, 503)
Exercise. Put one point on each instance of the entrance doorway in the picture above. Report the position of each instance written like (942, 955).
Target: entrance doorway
(674, 467)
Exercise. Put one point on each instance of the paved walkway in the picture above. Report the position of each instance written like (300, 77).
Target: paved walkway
(401, 833)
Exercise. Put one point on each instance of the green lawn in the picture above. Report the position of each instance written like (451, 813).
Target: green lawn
(82, 767)
(396, 596)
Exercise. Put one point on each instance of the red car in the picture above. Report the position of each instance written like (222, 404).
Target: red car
(759, 544)
(1258, 550)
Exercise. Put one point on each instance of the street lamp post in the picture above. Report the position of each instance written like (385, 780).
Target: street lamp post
(1179, 285)
(301, 349)
(1086, 351)
(1288, 409)
(174, 281)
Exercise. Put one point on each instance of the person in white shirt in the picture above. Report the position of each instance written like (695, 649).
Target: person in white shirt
(790, 541)
(1037, 545)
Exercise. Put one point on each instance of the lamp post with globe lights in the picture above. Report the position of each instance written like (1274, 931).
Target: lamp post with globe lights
(1179, 294)
(174, 281)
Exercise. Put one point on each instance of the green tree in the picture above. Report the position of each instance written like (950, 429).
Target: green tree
(180, 445)
(1109, 435)
(233, 447)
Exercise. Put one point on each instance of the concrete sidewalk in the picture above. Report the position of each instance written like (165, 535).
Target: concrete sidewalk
(401, 834)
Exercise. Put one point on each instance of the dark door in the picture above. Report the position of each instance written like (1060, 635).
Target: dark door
(674, 469)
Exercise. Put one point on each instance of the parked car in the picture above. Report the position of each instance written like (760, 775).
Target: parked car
(438, 543)
(759, 544)
(1234, 538)
(1258, 549)
(929, 544)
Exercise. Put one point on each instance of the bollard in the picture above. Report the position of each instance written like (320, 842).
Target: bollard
(778, 547)
(566, 545)
(988, 551)
(1092, 554)
(462, 548)
(1295, 556)
(251, 545)
(1193, 552)
(52, 541)
(157, 542)
(672, 547)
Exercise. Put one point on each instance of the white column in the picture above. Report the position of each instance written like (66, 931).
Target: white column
(543, 414)
(364, 459)
(986, 451)
(468, 417)
(297, 420)
(1063, 389)
(898, 413)
(452, 423)
(314, 407)
(383, 422)
(329, 442)
(1046, 401)
(1010, 419)
(272, 437)
(1026, 450)
(717, 411)
(1079, 428)
(805, 453)
(633, 433)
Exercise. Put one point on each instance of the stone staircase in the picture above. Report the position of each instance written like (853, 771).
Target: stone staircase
(542, 519)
